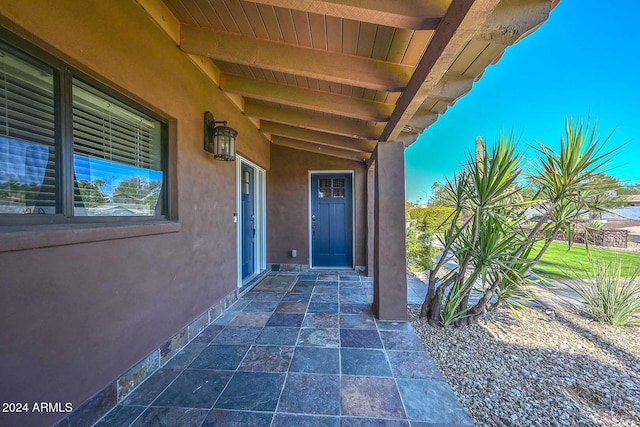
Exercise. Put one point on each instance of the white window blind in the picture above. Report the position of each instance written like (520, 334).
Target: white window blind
(117, 156)
(27, 136)
(105, 130)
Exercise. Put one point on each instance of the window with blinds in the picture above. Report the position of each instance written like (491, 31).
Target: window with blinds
(27, 136)
(117, 157)
(70, 149)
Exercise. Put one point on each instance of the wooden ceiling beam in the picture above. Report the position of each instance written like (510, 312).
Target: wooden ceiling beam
(308, 120)
(301, 61)
(513, 21)
(409, 14)
(306, 98)
(319, 149)
(321, 138)
(452, 87)
(460, 23)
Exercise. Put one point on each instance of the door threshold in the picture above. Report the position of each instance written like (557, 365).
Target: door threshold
(336, 269)
(246, 287)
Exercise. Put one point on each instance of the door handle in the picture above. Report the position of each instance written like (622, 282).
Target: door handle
(253, 227)
(313, 227)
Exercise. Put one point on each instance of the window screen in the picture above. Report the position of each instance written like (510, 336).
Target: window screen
(27, 136)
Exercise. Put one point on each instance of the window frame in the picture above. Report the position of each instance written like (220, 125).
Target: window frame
(63, 75)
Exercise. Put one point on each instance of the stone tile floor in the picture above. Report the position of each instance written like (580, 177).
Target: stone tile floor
(303, 354)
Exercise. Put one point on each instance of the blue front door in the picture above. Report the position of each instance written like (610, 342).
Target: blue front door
(331, 220)
(248, 219)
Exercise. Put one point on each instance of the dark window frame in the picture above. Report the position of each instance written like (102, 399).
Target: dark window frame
(63, 113)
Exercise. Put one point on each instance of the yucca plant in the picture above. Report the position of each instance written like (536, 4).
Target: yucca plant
(610, 297)
(595, 224)
(492, 249)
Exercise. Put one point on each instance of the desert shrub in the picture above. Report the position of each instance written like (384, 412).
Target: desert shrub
(432, 219)
(420, 250)
(489, 246)
(610, 297)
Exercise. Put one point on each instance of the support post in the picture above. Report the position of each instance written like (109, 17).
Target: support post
(371, 199)
(390, 260)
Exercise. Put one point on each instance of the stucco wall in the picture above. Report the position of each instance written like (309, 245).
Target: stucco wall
(74, 317)
(288, 203)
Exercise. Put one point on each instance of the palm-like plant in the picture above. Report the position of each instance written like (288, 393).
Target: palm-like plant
(492, 251)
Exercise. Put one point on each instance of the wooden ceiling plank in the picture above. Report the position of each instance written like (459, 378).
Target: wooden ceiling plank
(240, 17)
(290, 79)
(462, 19)
(334, 34)
(196, 14)
(357, 92)
(313, 84)
(280, 78)
(483, 60)
(468, 54)
(324, 86)
(392, 97)
(350, 31)
(399, 44)
(255, 20)
(319, 149)
(319, 64)
(305, 98)
(369, 94)
(380, 96)
(308, 120)
(366, 39)
(382, 43)
(210, 14)
(302, 82)
(322, 138)
(318, 29)
(270, 20)
(416, 47)
(336, 88)
(303, 30)
(285, 20)
(225, 16)
(411, 14)
(270, 77)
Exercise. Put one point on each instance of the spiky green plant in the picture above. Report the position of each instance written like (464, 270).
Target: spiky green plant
(492, 248)
(609, 297)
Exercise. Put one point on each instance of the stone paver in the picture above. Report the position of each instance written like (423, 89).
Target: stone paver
(298, 351)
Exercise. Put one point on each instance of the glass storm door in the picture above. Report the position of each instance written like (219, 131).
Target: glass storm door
(331, 220)
(248, 220)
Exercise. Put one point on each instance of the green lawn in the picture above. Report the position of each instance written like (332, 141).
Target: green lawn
(560, 262)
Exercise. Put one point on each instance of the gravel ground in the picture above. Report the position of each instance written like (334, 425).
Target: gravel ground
(551, 367)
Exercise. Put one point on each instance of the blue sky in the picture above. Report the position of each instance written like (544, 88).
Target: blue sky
(584, 61)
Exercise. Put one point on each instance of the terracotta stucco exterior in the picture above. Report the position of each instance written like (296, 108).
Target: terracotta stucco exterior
(288, 203)
(82, 303)
(77, 316)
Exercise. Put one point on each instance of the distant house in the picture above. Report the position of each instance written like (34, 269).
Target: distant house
(634, 200)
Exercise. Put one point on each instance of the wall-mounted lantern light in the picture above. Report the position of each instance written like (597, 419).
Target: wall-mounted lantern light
(219, 140)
